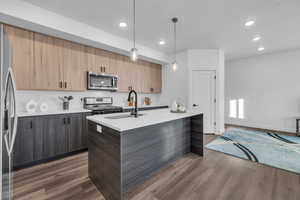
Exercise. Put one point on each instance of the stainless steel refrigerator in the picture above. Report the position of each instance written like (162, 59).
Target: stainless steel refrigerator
(8, 116)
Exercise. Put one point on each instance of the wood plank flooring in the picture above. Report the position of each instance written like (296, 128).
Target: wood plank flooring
(215, 176)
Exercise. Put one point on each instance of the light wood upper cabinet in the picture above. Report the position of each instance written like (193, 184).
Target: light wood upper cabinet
(149, 77)
(42, 62)
(47, 63)
(143, 76)
(22, 56)
(156, 78)
(112, 63)
(102, 60)
(59, 64)
(90, 59)
(126, 74)
(73, 66)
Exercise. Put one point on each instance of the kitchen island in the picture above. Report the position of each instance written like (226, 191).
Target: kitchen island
(124, 151)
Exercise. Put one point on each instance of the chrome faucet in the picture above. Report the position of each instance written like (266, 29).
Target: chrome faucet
(135, 111)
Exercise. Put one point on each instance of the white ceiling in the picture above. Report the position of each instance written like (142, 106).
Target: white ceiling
(203, 24)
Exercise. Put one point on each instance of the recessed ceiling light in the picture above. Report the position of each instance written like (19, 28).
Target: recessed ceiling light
(261, 48)
(256, 38)
(123, 24)
(249, 23)
(162, 42)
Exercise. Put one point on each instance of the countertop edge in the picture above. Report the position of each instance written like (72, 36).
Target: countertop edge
(110, 125)
(36, 114)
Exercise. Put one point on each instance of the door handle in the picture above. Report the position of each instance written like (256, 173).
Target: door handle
(66, 84)
(195, 105)
(60, 84)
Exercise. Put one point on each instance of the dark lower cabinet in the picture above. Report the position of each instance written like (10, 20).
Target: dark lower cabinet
(29, 141)
(55, 135)
(85, 130)
(45, 137)
(75, 132)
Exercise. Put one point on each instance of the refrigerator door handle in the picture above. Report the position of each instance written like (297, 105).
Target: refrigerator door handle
(7, 145)
(11, 141)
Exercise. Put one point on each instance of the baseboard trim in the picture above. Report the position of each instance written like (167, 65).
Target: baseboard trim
(261, 129)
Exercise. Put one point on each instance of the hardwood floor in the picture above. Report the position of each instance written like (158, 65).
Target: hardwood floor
(215, 176)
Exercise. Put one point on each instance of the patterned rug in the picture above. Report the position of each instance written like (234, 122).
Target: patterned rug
(268, 148)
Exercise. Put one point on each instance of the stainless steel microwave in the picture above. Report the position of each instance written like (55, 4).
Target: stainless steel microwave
(102, 82)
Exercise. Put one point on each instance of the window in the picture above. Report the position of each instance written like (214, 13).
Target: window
(236, 108)
(232, 108)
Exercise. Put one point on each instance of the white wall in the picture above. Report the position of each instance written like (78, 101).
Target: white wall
(270, 85)
(177, 84)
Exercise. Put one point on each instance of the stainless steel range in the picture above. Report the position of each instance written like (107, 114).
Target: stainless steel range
(101, 105)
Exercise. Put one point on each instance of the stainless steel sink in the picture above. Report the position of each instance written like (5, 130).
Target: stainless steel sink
(122, 116)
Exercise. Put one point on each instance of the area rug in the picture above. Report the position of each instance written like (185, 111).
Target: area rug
(268, 148)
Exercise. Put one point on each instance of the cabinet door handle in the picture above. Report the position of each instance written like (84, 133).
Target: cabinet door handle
(69, 120)
(104, 69)
(151, 90)
(31, 124)
(60, 84)
(64, 120)
(66, 84)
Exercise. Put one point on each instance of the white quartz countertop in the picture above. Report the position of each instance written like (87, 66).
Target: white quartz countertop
(149, 117)
(53, 112)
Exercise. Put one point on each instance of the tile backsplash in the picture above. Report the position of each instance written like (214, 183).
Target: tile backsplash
(51, 98)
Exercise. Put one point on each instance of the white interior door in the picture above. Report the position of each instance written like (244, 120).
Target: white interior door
(203, 97)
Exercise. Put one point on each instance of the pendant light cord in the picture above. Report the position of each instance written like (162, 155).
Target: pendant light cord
(175, 20)
(133, 23)
(175, 40)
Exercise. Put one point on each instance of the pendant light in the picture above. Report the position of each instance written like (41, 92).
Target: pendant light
(133, 51)
(174, 64)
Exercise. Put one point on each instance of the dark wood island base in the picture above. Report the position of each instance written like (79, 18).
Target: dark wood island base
(119, 161)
